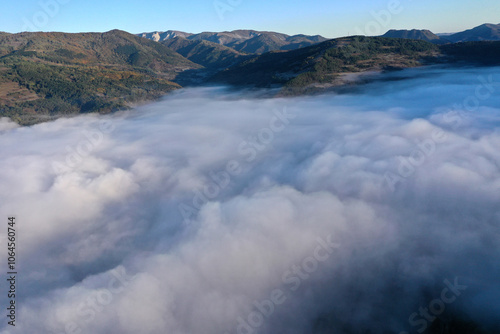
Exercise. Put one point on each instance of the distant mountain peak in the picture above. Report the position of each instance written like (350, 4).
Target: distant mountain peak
(422, 34)
(159, 36)
(243, 40)
(484, 32)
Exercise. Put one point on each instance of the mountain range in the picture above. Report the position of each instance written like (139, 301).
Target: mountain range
(484, 32)
(48, 75)
(246, 41)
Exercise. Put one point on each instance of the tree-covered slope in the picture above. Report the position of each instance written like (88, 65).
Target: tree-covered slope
(208, 54)
(322, 63)
(44, 75)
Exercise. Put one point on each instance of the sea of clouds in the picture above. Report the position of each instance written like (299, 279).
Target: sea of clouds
(218, 211)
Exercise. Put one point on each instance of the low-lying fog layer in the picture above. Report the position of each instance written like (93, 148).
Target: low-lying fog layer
(214, 211)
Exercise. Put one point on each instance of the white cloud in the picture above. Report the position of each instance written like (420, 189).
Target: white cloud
(117, 208)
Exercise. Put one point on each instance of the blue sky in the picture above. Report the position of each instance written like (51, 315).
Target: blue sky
(330, 18)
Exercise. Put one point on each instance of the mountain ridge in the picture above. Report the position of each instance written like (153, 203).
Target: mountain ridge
(321, 65)
(484, 32)
(248, 41)
(208, 54)
(418, 34)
